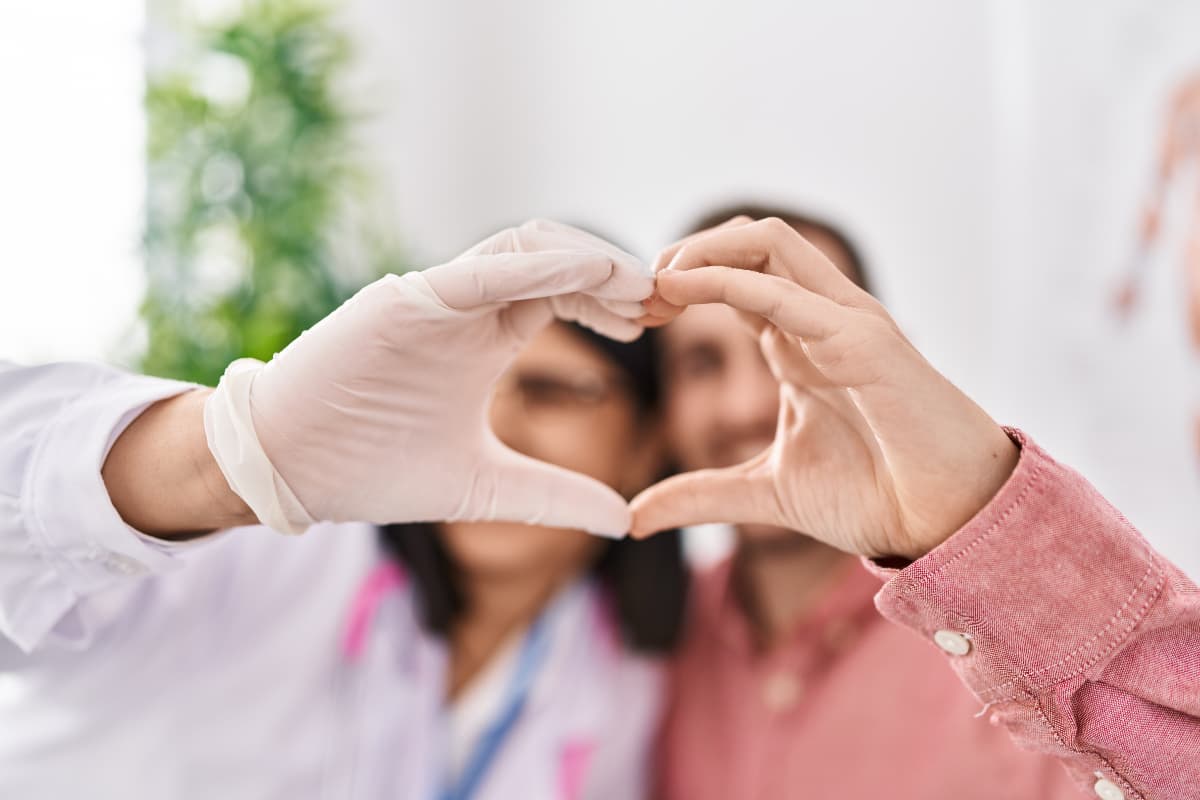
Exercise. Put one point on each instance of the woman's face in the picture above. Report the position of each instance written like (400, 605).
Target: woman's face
(563, 402)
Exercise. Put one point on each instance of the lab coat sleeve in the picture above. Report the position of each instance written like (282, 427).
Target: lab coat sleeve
(1069, 628)
(61, 539)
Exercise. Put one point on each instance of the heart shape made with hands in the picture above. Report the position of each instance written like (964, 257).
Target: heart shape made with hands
(379, 413)
(875, 452)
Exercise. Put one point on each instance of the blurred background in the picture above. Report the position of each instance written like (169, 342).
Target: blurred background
(187, 182)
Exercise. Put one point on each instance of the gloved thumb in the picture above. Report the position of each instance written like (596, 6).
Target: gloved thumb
(518, 488)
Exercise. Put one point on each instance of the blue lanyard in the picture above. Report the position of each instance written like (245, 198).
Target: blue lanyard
(533, 653)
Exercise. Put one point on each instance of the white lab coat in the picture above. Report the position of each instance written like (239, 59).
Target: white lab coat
(131, 668)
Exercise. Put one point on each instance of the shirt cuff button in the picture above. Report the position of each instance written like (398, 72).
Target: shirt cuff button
(956, 644)
(1107, 790)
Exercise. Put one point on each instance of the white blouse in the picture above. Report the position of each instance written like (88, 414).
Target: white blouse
(132, 668)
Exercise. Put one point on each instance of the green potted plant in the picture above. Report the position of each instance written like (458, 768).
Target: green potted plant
(251, 174)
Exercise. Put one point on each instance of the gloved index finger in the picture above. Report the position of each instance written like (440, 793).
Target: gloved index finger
(545, 234)
(505, 277)
(629, 273)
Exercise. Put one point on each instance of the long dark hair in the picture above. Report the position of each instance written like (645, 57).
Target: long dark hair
(646, 580)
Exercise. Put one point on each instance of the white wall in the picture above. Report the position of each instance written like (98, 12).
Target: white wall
(71, 177)
(632, 117)
(1116, 400)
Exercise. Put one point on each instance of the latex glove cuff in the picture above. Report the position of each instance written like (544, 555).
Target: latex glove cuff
(229, 429)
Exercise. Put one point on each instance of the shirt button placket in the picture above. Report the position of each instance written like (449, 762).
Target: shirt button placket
(781, 691)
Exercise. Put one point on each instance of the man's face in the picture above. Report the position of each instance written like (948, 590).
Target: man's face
(721, 399)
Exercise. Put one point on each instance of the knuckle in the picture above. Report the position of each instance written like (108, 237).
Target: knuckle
(684, 254)
(775, 227)
(776, 307)
(878, 329)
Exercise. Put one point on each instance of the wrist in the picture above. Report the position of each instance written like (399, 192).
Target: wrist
(228, 510)
(162, 478)
(993, 463)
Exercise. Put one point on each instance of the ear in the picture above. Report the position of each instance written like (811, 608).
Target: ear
(647, 459)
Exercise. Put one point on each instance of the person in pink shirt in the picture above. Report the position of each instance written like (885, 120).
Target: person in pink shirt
(1078, 645)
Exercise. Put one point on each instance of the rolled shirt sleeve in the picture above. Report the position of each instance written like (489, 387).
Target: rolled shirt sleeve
(1070, 629)
(61, 539)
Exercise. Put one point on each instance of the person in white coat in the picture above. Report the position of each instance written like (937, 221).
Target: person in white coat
(143, 655)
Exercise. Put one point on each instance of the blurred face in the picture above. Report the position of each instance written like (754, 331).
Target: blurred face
(721, 399)
(563, 402)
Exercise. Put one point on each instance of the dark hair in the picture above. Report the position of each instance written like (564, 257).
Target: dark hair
(798, 220)
(646, 580)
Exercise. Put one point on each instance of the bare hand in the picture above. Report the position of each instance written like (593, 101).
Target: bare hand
(875, 452)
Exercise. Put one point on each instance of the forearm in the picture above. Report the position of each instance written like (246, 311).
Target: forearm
(62, 538)
(1065, 623)
(163, 480)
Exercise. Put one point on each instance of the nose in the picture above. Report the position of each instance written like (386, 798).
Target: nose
(749, 395)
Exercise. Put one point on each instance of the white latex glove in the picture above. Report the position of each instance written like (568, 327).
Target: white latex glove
(379, 413)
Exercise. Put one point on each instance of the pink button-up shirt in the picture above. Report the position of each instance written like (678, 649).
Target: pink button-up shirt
(1082, 646)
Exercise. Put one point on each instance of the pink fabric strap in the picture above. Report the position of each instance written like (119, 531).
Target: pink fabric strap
(573, 766)
(380, 581)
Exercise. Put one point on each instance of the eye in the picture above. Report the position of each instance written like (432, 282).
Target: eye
(542, 391)
(697, 362)
(550, 392)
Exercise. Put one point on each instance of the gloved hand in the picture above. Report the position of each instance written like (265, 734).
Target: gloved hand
(875, 452)
(379, 413)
